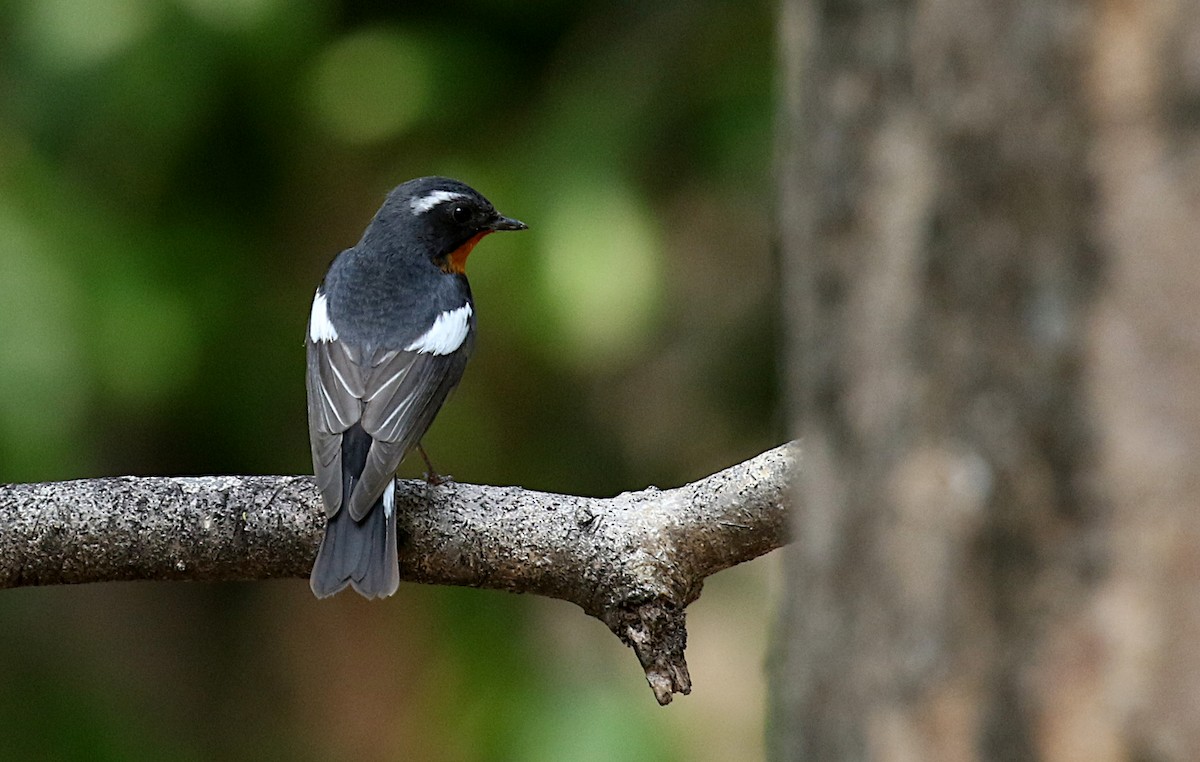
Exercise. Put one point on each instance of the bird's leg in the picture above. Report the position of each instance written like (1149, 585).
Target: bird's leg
(431, 475)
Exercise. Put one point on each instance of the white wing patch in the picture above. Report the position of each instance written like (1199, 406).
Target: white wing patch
(320, 328)
(446, 334)
(423, 204)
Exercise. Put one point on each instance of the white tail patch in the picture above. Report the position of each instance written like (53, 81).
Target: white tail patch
(447, 333)
(320, 328)
(422, 204)
(389, 499)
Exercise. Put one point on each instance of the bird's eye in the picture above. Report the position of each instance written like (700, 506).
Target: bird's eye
(460, 214)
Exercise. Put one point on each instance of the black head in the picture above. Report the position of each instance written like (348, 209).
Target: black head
(436, 217)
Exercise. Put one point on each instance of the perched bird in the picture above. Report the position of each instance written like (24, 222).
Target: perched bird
(389, 335)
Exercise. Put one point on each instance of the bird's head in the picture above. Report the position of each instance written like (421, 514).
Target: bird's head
(439, 217)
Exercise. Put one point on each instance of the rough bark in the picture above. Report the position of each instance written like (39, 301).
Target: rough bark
(1143, 692)
(937, 234)
(634, 561)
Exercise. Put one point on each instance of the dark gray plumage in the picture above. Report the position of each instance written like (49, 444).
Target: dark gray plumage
(391, 329)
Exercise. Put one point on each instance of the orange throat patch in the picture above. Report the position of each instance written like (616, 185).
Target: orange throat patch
(456, 261)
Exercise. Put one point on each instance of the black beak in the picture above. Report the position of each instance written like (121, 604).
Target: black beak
(506, 223)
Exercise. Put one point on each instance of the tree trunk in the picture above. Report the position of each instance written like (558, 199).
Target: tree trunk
(988, 227)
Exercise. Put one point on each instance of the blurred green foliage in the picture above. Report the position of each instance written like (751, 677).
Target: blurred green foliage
(175, 176)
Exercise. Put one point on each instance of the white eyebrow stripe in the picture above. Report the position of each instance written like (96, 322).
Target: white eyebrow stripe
(320, 327)
(447, 333)
(423, 204)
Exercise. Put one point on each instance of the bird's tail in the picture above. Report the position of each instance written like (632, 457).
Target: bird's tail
(359, 553)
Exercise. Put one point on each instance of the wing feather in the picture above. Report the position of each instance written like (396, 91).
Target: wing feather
(404, 392)
(393, 394)
(334, 405)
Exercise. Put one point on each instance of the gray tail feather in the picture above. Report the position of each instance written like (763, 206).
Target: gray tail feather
(358, 553)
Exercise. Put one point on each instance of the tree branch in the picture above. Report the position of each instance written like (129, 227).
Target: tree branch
(634, 561)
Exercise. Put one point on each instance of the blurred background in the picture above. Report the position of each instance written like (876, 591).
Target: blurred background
(175, 177)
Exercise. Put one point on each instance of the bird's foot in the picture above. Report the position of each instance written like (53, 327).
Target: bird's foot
(434, 479)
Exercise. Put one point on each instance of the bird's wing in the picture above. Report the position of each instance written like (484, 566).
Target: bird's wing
(403, 392)
(335, 391)
(392, 394)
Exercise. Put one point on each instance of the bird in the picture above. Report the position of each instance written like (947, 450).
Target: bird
(389, 334)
